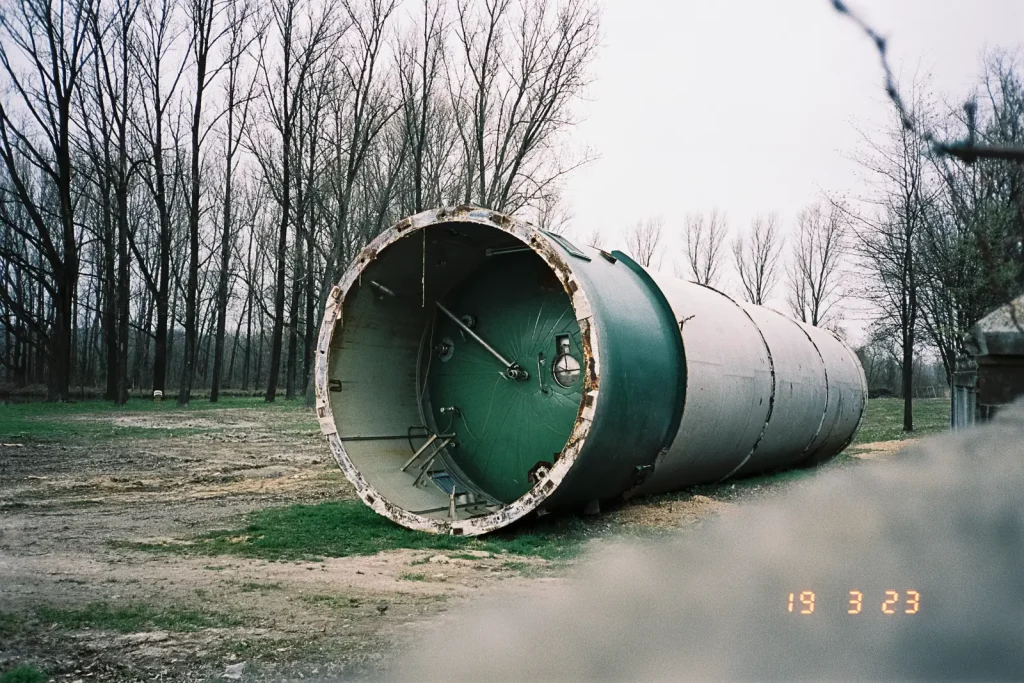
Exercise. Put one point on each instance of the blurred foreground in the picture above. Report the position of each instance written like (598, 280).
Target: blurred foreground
(911, 569)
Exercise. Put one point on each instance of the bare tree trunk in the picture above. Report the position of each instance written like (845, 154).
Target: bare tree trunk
(123, 289)
(309, 337)
(238, 19)
(298, 283)
(235, 340)
(299, 62)
(202, 17)
(225, 262)
(110, 338)
(248, 314)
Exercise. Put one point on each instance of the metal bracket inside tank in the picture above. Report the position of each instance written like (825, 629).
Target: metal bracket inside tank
(512, 369)
(443, 471)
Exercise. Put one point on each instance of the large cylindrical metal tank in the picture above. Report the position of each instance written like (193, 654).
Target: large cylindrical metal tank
(472, 369)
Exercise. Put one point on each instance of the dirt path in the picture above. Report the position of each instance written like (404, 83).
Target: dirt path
(77, 604)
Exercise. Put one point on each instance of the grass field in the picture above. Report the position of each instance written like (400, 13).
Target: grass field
(345, 528)
(41, 421)
(883, 420)
(90, 420)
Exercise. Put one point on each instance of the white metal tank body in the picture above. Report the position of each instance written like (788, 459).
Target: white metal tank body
(763, 391)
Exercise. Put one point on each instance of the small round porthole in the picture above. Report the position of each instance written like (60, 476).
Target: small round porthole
(565, 370)
(445, 350)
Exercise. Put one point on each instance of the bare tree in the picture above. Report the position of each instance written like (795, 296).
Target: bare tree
(705, 239)
(523, 71)
(304, 41)
(969, 259)
(125, 253)
(757, 258)
(643, 239)
(310, 130)
(553, 214)
(239, 89)
(206, 31)
(419, 69)
(23, 268)
(156, 43)
(44, 46)
(890, 234)
(113, 97)
(359, 110)
(814, 272)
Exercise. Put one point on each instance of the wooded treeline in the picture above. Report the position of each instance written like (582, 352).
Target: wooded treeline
(181, 180)
(931, 242)
(937, 241)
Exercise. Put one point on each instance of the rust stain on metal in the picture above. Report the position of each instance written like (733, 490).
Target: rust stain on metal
(588, 355)
(501, 219)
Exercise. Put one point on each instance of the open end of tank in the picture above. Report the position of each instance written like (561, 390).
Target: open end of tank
(454, 377)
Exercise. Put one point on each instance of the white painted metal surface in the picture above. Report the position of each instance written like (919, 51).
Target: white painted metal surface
(763, 392)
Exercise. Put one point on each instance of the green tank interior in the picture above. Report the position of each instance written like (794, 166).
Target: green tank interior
(453, 419)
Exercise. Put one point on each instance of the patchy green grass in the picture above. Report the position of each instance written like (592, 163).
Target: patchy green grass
(883, 420)
(252, 587)
(412, 577)
(340, 529)
(91, 420)
(463, 556)
(131, 617)
(338, 601)
(23, 674)
(9, 624)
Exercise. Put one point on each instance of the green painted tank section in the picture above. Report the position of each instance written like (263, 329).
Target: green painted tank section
(506, 428)
(642, 381)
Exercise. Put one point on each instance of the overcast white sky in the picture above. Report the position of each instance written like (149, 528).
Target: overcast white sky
(750, 105)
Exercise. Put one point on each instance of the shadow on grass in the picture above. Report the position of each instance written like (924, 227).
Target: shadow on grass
(341, 529)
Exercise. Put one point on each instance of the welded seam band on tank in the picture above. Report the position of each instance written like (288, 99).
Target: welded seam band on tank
(824, 412)
(863, 398)
(771, 398)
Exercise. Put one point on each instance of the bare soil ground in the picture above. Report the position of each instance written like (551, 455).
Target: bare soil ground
(68, 507)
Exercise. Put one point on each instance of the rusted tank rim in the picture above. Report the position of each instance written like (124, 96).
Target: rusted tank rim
(544, 247)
